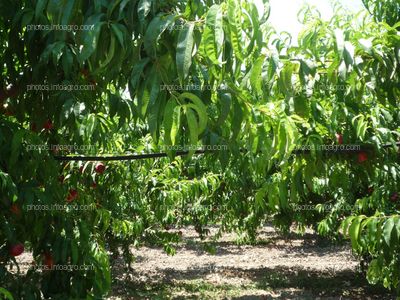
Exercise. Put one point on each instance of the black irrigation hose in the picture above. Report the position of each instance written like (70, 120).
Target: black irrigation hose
(198, 152)
(123, 157)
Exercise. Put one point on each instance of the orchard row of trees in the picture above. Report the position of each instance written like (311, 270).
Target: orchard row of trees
(159, 75)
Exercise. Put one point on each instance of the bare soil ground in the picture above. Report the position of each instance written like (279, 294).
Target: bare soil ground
(277, 267)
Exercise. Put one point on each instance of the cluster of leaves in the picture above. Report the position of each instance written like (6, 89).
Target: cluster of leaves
(167, 74)
(384, 11)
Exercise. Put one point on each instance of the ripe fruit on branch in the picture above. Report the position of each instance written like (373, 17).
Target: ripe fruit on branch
(85, 73)
(339, 138)
(100, 168)
(362, 157)
(15, 209)
(48, 125)
(48, 260)
(394, 197)
(16, 249)
(33, 127)
(8, 113)
(94, 184)
(81, 169)
(72, 195)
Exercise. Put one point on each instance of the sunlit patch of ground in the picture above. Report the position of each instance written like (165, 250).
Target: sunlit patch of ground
(291, 267)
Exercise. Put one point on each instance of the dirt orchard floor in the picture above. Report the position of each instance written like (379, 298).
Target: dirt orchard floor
(277, 267)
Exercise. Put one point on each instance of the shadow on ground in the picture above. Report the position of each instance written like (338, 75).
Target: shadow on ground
(262, 283)
(287, 267)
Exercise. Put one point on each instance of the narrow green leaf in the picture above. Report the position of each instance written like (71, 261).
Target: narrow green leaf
(193, 131)
(184, 51)
(67, 10)
(212, 34)
(16, 146)
(255, 75)
(144, 8)
(168, 121)
(6, 294)
(374, 272)
(137, 72)
(200, 108)
(235, 28)
(118, 31)
(176, 124)
(90, 38)
(355, 232)
(156, 27)
(387, 231)
(225, 100)
(339, 42)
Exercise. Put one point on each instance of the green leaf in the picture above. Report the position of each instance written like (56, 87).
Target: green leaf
(156, 27)
(345, 225)
(67, 10)
(74, 252)
(387, 231)
(27, 18)
(397, 227)
(109, 54)
(144, 8)
(374, 272)
(113, 103)
(6, 294)
(16, 146)
(301, 105)
(266, 11)
(238, 116)
(193, 131)
(235, 28)
(54, 9)
(367, 45)
(67, 61)
(308, 67)
(168, 121)
(255, 75)
(90, 38)
(184, 51)
(40, 5)
(137, 71)
(361, 126)
(354, 232)
(118, 31)
(176, 124)
(225, 100)
(259, 199)
(154, 107)
(209, 37)
(348, 53)
(372, 228)
(339, 42)
(200, 108)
